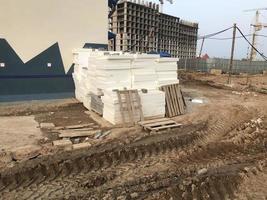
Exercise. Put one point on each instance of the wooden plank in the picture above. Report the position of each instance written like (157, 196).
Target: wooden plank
(181, 101)
(140, 105)
(132, 105)
(177, 99)
(85, 129)
(72, 134)
(166, 127)
(160, 123)
(176, 103)
(153, 121)
(183, 98)
(154, 117)
(79, 126)
(168, 101)
(171, 102)
(128, 105)
(121, 107)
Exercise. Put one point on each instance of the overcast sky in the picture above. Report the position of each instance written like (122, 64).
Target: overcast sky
(216, 15)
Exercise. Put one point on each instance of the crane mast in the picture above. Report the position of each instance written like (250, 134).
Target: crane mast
(162, 3)
(258, 26)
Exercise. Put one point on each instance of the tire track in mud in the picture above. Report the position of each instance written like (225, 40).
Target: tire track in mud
(136, 151)
(219, 183)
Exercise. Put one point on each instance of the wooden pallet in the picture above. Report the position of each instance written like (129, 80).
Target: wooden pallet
(129, 107)
(159, 124)
(175, 102)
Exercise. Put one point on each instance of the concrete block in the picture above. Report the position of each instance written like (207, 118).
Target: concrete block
(65, 144)
(264, 72)
(47, 125)
(81, 145)
(26, 152)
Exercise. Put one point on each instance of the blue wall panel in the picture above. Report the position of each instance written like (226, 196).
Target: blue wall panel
(34, 76)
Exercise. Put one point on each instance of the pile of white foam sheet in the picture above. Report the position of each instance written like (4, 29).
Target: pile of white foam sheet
(102, 72)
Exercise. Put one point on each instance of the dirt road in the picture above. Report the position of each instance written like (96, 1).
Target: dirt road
(219, 153)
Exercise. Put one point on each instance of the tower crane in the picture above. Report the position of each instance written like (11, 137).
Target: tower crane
(162, 2)
(258, 26)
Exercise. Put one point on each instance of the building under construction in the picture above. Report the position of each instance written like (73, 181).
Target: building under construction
(141, 27)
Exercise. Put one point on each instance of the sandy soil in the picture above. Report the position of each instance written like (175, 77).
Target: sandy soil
(18, 131)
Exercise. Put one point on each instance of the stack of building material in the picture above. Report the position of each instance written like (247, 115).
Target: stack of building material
(82, 75)
(113, 111)
(166, 70)
(144, 71)
(104, 72)
(111, 71)
(153, 103)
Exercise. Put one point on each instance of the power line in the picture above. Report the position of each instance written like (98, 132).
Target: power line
(213, 34)
(230, 38)
(261, 54)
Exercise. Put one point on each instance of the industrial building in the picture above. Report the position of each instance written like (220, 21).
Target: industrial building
(141, 27)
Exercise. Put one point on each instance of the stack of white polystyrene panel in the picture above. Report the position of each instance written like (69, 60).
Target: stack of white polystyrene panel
(166, 70)
(100, 72)
(112, 111)
(113, 72)
(80, 73)
(143, 71)
(153, 103)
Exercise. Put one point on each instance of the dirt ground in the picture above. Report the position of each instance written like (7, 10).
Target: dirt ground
(218, 153)
(243, 82)
(18, 131)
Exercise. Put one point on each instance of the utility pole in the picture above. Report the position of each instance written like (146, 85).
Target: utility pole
(258, 26)
(232, 54)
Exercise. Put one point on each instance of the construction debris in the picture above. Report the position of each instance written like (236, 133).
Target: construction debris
(199, 101)
(73, 134)
(64, 144)
(26, 152)
(101, 135)
(80, 126)
(47, 125)
(81, 145)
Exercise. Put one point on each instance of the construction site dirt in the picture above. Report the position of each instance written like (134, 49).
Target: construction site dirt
(219, 152)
